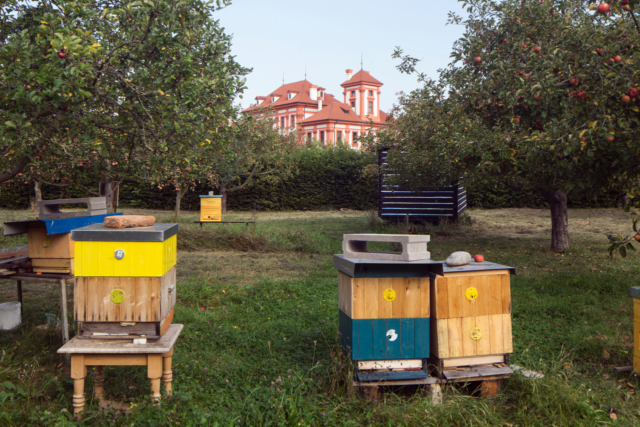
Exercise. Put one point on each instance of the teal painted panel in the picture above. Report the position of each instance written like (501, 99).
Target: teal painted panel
(407, 346)
(384, 339)
(379, 330)
(394, 338)
(365, 340)
(422, 338)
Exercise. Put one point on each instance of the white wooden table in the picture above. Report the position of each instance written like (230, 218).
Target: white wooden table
(156, 355)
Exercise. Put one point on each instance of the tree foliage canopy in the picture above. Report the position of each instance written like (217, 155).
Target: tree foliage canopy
(539, 95)
(111, 83)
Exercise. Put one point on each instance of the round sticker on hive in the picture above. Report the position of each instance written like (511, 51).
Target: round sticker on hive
(117, 296)
(391, 333)
(389, 295)
(476, 333)
(119, 254)
(46, 242)
(472, 293)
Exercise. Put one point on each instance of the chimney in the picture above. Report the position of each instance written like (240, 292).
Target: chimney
(313, 93)
(349, 74)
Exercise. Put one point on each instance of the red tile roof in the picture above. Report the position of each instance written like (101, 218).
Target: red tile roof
(302, 88)
(336, 111)
(362, 76)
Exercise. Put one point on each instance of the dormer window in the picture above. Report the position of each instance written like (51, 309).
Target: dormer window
(291, 95)
(321, 94)
(273, 99)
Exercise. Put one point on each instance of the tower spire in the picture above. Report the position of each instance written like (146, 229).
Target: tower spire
(305, 72)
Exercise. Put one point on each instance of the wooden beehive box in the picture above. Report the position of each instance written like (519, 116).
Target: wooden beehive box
(384, 308)
(210, 208)
(635, 294)
(125, 280)
(471, 311)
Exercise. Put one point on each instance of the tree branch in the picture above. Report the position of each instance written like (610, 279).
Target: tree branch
(16, 169)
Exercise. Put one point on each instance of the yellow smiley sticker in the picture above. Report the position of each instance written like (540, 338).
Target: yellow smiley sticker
(389, 295)
(476, 334)
(472, 293)
(117, 296)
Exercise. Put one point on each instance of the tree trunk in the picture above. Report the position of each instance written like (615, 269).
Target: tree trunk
(37, 186)
(559, 219)
(179, 195)
(223, 193)
(108, 193)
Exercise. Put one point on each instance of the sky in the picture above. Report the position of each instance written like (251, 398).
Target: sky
(276, 37)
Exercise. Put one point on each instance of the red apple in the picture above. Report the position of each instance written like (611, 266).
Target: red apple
(574, 81)
(478, 258)
(609, 138)
(537, 49)
(537, 97)
(603, 8)
(477, 59)
(618, 58)
(599, 51)
(633, 92)
(61, 55)
(626, 99)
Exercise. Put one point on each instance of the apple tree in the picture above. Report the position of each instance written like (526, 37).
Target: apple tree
(116, 80)
(540, 95)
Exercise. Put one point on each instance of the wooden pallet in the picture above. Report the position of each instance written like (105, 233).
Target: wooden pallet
(488, 370)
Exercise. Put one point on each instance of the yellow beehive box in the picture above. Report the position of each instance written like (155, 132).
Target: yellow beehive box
(471, 311)
(130, 252)
(210, 208)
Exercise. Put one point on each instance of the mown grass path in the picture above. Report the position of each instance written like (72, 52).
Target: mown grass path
(260, 348)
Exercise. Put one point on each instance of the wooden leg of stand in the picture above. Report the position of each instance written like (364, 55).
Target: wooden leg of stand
(78, 372)
(98, 382)
(167, 374)
(154, 372)
(490, 388)
(63, 311)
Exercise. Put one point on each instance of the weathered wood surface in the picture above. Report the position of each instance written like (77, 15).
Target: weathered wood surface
(453, 338)
(473, 361)
(129, 221)
(363, 298)
(15, 252)
(390, 364)
(423, 381)
(161, 346)
(42, 245)
(146, 299)
(479, 372)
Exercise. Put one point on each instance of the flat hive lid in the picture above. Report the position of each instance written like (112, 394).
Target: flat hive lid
(54, 226)
(635, 292)
(422, 268)
(100, 233)
(209, 196)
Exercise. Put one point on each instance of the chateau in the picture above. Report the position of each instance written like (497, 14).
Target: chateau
(307, 108)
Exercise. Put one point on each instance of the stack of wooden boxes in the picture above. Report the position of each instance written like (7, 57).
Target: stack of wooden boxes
(401, 313)
(125, 284)
(50, 247)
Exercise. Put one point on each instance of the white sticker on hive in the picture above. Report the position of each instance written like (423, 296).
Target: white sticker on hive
(391, 333)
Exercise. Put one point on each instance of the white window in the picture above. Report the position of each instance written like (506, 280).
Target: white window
(293, 121)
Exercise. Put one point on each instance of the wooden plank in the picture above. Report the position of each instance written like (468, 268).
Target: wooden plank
(469, 345)
(384, 307)
(79, 299)
(442, 297)
(473, 361)
(115, 359)
(477, 273)
(42, 245)
(425, 294)
(422, 339)
(161, 346)
(166, 323)
(507, 333)
(471, 308)
(506, 293)
(358, 298)
(425, 381)
(442, 338)
(139, 328)
(456, 294)
(493, 288)
(394, 347)
(496, 334)
(371, 298)
(484, 343)
(379, 337)
(455, 337)
(391, 376)
(15, 252)
(412, 297)
(390, 364)
(407, 337)
(490, 388)
(398, 284)
(477, 372)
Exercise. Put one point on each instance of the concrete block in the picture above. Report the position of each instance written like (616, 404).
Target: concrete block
(414, 247)
(50, 209)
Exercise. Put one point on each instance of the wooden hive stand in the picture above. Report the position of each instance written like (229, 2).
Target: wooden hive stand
(155, 355)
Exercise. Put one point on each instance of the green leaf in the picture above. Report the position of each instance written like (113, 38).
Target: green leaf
(10, 124)
(623, 251)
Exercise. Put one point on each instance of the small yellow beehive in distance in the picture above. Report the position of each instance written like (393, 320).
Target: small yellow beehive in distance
(210, 207)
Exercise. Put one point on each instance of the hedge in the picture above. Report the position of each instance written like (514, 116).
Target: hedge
(324, 179)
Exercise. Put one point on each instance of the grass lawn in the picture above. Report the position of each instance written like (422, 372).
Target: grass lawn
(260, 344)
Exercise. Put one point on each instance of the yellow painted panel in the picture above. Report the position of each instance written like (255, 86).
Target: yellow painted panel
(211, 201)
(141, 259)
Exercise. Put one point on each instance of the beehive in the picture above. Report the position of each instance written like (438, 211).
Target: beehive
(471, 311)
(635, 294)
(384, 308)
(125, 280)
(210, 208)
